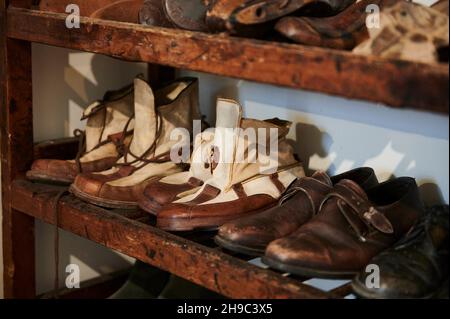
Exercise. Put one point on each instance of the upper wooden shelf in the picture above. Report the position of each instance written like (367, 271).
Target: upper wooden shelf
(391, 82)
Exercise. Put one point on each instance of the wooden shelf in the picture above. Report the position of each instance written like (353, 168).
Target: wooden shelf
(391, 82)
(191, 256)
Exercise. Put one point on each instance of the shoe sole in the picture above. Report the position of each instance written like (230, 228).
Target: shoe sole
(44, 178)
(107, 203)
(246, 250)
(308, 272)
(362, 291)
(203, 223)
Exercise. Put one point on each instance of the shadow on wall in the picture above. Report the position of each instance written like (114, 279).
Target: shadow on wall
(319, 144)
(70, 81)
(63, 86)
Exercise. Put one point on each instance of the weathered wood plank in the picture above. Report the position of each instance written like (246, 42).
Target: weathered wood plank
(392, 82)
(210, 268)
(16, 125)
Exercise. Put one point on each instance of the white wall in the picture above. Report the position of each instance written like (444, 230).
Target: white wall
(329, 133)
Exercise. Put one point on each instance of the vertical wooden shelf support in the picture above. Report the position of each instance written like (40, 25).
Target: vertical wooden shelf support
(17, 153)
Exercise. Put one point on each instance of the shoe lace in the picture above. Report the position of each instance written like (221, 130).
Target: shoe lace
(145, 158)
(81, 135)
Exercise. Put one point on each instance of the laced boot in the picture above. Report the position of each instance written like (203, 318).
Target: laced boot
(245, 180)
(149, 155)
(109, 128)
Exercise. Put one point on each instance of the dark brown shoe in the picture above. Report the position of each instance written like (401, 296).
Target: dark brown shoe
(188, 15)
(235, 15)
(416, 267)
(152, 13)
(251, 235)
(342, 31)
(148, 156)
(350, 228)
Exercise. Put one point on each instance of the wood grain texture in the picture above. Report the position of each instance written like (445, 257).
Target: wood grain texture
(16, 124)
(392, 82)
(207, 267)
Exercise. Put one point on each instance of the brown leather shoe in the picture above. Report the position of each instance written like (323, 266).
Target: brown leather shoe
(189, 15)
(109, 128)
(174, 187)
(342, 31)
(243, 182)
(148, 157)
(352, 226)
(235, 15)
(153, 13)
(251, 235)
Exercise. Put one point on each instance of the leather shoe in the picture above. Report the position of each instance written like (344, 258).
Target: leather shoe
(351, 227)
(251, 235)
(415, 267)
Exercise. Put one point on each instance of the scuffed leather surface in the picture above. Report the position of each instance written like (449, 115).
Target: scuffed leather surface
(418, 265)
(328, 243)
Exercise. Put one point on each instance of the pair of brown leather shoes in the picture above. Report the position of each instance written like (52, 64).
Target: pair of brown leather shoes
(231, 175)
(326, 227)
(115, 175)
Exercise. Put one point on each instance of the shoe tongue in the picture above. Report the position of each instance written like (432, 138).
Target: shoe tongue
(322, 177)
(354, 187)
(145, 119)
(229, 115)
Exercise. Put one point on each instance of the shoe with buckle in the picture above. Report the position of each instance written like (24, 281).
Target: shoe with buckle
(351, 227)
(300, 202)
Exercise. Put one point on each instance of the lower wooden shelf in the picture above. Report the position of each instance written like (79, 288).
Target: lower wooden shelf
(192, 256)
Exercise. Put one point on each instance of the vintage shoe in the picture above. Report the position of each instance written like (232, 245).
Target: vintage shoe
(417, 266)
(182, 14)
(408, 32)
(342, 31)
(245, 180)
(153, 13)
(351, 227)
(109, 128)
(251, 235)
(148, 157)
(235, 15)
(174, 187)
(189, 15)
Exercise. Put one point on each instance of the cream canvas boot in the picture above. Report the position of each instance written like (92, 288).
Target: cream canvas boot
(148, 157)
(246, 178)
(108, 130)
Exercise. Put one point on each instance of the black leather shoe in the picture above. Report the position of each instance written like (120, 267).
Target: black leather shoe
(417, 266)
